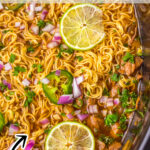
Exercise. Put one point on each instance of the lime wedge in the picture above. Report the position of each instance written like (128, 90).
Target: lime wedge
(81, 26)
(70, 136)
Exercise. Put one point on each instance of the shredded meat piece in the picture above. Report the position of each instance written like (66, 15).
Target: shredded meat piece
(115, 130)
(114, 90)
(115, 146)
(138, 62)
(100, 145)
(129, 68)
(94, 122)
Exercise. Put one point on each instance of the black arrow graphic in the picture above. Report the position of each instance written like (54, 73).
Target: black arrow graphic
(21, 140)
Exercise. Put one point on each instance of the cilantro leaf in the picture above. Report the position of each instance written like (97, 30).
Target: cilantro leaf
(18, 69)
(30, 49)
(117, 67)
(61, 49)
(30, 95)
(106, 92)
(106, 139)
(124, 98)
(12, 58)
(128, 57)
(39, 68)
(1, 45)
(111, 119)
(122, 122)
(41, 23)
(80, 58)
(115, 77)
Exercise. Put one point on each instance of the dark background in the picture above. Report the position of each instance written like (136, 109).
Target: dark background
(147, 146)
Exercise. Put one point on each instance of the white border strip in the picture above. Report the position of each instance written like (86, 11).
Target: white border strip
(76, 1)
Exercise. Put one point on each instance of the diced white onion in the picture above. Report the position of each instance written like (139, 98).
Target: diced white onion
(25, 82)
(45, 81)
(17, 24)
(110, 102)
(35, 29)
(1, 63)
(31, 11)
(39, 8)
(80, 79)
(48, 28)
(52, 44)
(22, 27)
(103, 99)
(35, 81)
(8, 67)
(1, 6)
(92, 109)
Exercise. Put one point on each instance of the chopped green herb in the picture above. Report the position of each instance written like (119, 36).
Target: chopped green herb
(30, 95)
(129, 110)
(63, 114)
(135, 81)
(125, 45)
(3, 87)
(16, 124)
(127, 83)
(34, 65)
(39, 68)
(30, 49)
(115, 77)
(118, 66)
(80, 58)
(141, 113)
(88, 93)
(120, 135)
(128, 57)
(118, 91)
(61, 49)
(133, 96)
(46, 130)
(106, 92)
(12, 58)
(11, 93)
(41, 23)
(30, 75)
(5, 31)
(7, 97)
(1, 45)
(111, 119)
(18, 69)
(106, 139)
(40, 32)
(122, 122)
(124, 98)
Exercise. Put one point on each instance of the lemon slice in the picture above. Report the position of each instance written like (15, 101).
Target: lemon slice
(81, 26)
(70, 136)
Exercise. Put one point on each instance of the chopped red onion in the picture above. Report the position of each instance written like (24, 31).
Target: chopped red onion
(30, 145)
(31, 10)
(17, 24)
(76, 89)
(13, 129)
(52, 44)
(25, 82)
(39, 8)
(82, 117)
(92, 109)
(35, 29)
(44, 13)
(45, 81)
(104, 112)
(64, 46)
(110, 102)
(7, 84)
(35, 81)
(8, 67)
(57, 37)
(116, 101)
(48, 28)
(22, 27)
(77, 112)
(80, 79)
(44, 121)
(70, 116)
(1, 6)
(58, 72)
(1, 67)
(103, 99)
(53, 31)
(65, 99)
